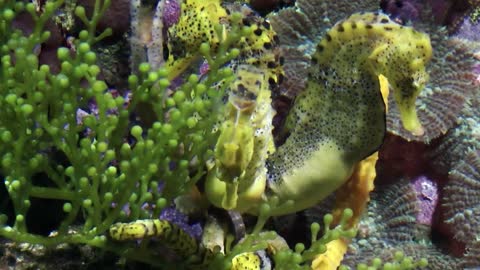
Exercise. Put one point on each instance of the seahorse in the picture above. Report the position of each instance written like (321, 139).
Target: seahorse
(336, 122)
(208, 22)
(339, 119)
(237, 180)
(176, 239)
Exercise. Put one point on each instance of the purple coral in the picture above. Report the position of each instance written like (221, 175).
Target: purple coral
(462, 198)
(176, 217)
(427, 197)
(403, 10)
(171, 13)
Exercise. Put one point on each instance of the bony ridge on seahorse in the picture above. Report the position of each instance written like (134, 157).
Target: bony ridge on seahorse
(339, 119)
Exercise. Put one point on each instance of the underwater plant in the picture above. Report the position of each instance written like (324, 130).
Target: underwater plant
(95, 163)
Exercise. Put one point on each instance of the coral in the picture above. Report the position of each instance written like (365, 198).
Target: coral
(391, 224)
(178, 218)
(402, 10)
(427, 196)
(461, 201)
(459, 140)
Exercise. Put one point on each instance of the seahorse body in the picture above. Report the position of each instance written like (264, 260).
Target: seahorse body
(170, 234)
(183, 244)
(340, 117)
(238, 178)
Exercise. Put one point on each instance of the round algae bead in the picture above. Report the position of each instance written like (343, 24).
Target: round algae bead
(11, 99)
(164, 83)
(152, 168)
(192, 122)
(179, 96)
(83, 35)
(83, 182)
(102, 147)
(80, 11)
(327, 219)
(167, 129)
(136, 132)
(19, 218)
(423, 262)
(8, 14)
(132, 81)
(112, 171)
(69, 171)
(161, 203)
(63, 81)
(108, 197)
(94, 70)
(84, 47)
(299, 247)
(87, 203)
(90, 58)
(172, 143)
(152, 76)
(144, 68)
(67, 207)
(99, 86)
(27, 109)
(63, 53)
(6, 136)
(15, 184)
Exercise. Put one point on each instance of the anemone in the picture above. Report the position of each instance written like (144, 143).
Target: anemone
(391, 225)
(461, 199)
(452, 147)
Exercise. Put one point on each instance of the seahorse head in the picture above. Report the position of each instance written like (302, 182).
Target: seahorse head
(402, 57)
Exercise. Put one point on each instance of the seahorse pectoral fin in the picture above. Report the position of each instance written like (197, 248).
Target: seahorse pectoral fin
(384, 90)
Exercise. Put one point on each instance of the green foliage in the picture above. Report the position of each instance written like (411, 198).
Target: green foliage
(399, 262)
(100, 172)
(301, 257)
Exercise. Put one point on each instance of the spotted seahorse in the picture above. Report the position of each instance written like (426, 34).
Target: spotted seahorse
(238, 179)
(339, 119)
(184, 245)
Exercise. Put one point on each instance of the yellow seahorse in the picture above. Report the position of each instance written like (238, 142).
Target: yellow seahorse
(237, 180)
(339, 119)
(176, 239)
(334, 124)
(208, 21)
